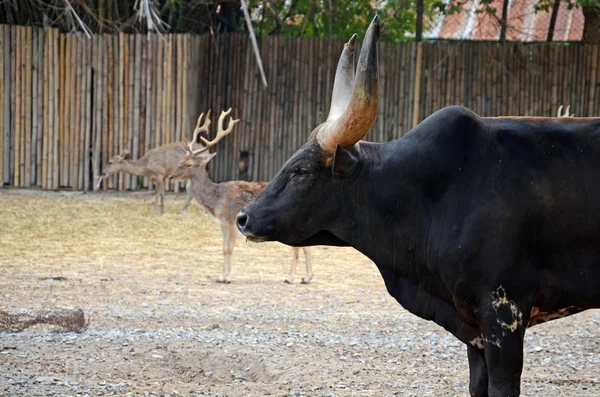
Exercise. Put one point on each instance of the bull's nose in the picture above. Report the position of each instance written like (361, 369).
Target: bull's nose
(242, 220)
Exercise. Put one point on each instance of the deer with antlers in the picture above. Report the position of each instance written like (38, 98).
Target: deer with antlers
(224, 200)
(157, 164)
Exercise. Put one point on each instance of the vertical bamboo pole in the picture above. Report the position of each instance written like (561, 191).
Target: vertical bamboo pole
(135, 149)
(122, 100)
(41, 38)
(34, 104)
(61, 108)
(160, 92)
(56, 115)
(26, 48)
(89, 46)
(83, 49)
(18, 82)
(110, 105)
(66, 112)
(149, 105)
(130, 100)
(3, 44)
(46, 126)
(592, 85)
(116, 104)
(105, 152)
(77, 59)
(6, 109)
(99, 61)
(74, 107)
(26, 153)
(179, 91)
(144, 40)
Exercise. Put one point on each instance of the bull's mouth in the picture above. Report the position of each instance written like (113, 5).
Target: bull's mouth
(256, 239)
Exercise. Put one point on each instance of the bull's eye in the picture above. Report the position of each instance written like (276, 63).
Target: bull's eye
(188, 166)
(301, 171)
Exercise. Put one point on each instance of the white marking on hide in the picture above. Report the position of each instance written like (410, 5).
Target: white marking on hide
(478, 343)
(500, 300)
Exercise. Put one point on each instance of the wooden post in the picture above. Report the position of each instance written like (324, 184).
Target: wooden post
(417, 89)
(8, 84)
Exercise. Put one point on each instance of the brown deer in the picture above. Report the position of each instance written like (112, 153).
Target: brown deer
(224, 200)
(157, 164)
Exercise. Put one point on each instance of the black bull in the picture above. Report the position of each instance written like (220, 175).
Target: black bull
(485, 226)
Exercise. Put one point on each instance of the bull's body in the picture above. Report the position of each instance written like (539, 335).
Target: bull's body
(485, 226)
(463, 205)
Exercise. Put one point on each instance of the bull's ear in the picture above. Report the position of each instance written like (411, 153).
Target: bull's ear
(345, 162)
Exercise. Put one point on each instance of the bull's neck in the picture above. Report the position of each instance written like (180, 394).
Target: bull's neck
(384, 218)
(135, 167)
(206, 192)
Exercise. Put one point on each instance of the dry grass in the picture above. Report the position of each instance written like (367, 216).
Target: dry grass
(95, 238)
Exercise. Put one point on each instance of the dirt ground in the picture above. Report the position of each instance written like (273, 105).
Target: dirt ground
(160, 325)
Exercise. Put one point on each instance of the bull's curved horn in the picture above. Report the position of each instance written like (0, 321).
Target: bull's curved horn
(361, 111)
(344, 77)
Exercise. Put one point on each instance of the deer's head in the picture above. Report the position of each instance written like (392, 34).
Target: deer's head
(115, 164)
(197, 161)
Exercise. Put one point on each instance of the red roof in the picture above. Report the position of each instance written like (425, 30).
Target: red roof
(524, 24)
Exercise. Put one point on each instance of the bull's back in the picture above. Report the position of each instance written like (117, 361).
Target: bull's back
(532, 183)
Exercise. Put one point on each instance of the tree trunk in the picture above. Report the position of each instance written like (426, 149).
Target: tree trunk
(419, 28)
(591, 26)
(229, 15)
(555, 8)
(504, 21)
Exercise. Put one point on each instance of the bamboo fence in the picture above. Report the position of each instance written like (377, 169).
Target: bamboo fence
(68, 104)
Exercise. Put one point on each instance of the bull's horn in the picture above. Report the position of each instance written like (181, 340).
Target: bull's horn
(344, 77)
(361, 111)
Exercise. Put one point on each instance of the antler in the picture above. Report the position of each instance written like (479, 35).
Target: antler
(220, 133)
(566, 113)
(201, 128)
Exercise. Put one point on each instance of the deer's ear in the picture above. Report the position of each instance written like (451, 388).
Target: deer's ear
(207, 159)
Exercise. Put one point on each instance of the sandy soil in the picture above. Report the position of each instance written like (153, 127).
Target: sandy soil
(160, 325)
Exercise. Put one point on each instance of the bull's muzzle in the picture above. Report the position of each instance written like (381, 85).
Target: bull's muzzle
(242, 220)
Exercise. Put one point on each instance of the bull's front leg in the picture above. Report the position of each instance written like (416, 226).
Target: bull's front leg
(503, 322)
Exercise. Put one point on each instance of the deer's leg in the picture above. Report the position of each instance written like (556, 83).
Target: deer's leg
(308, 259)
(157, 189)
(162, 196)
(295, 256)
(188, 189)
(229, 236)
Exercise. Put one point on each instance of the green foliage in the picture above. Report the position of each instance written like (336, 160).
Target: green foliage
(338, 19)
